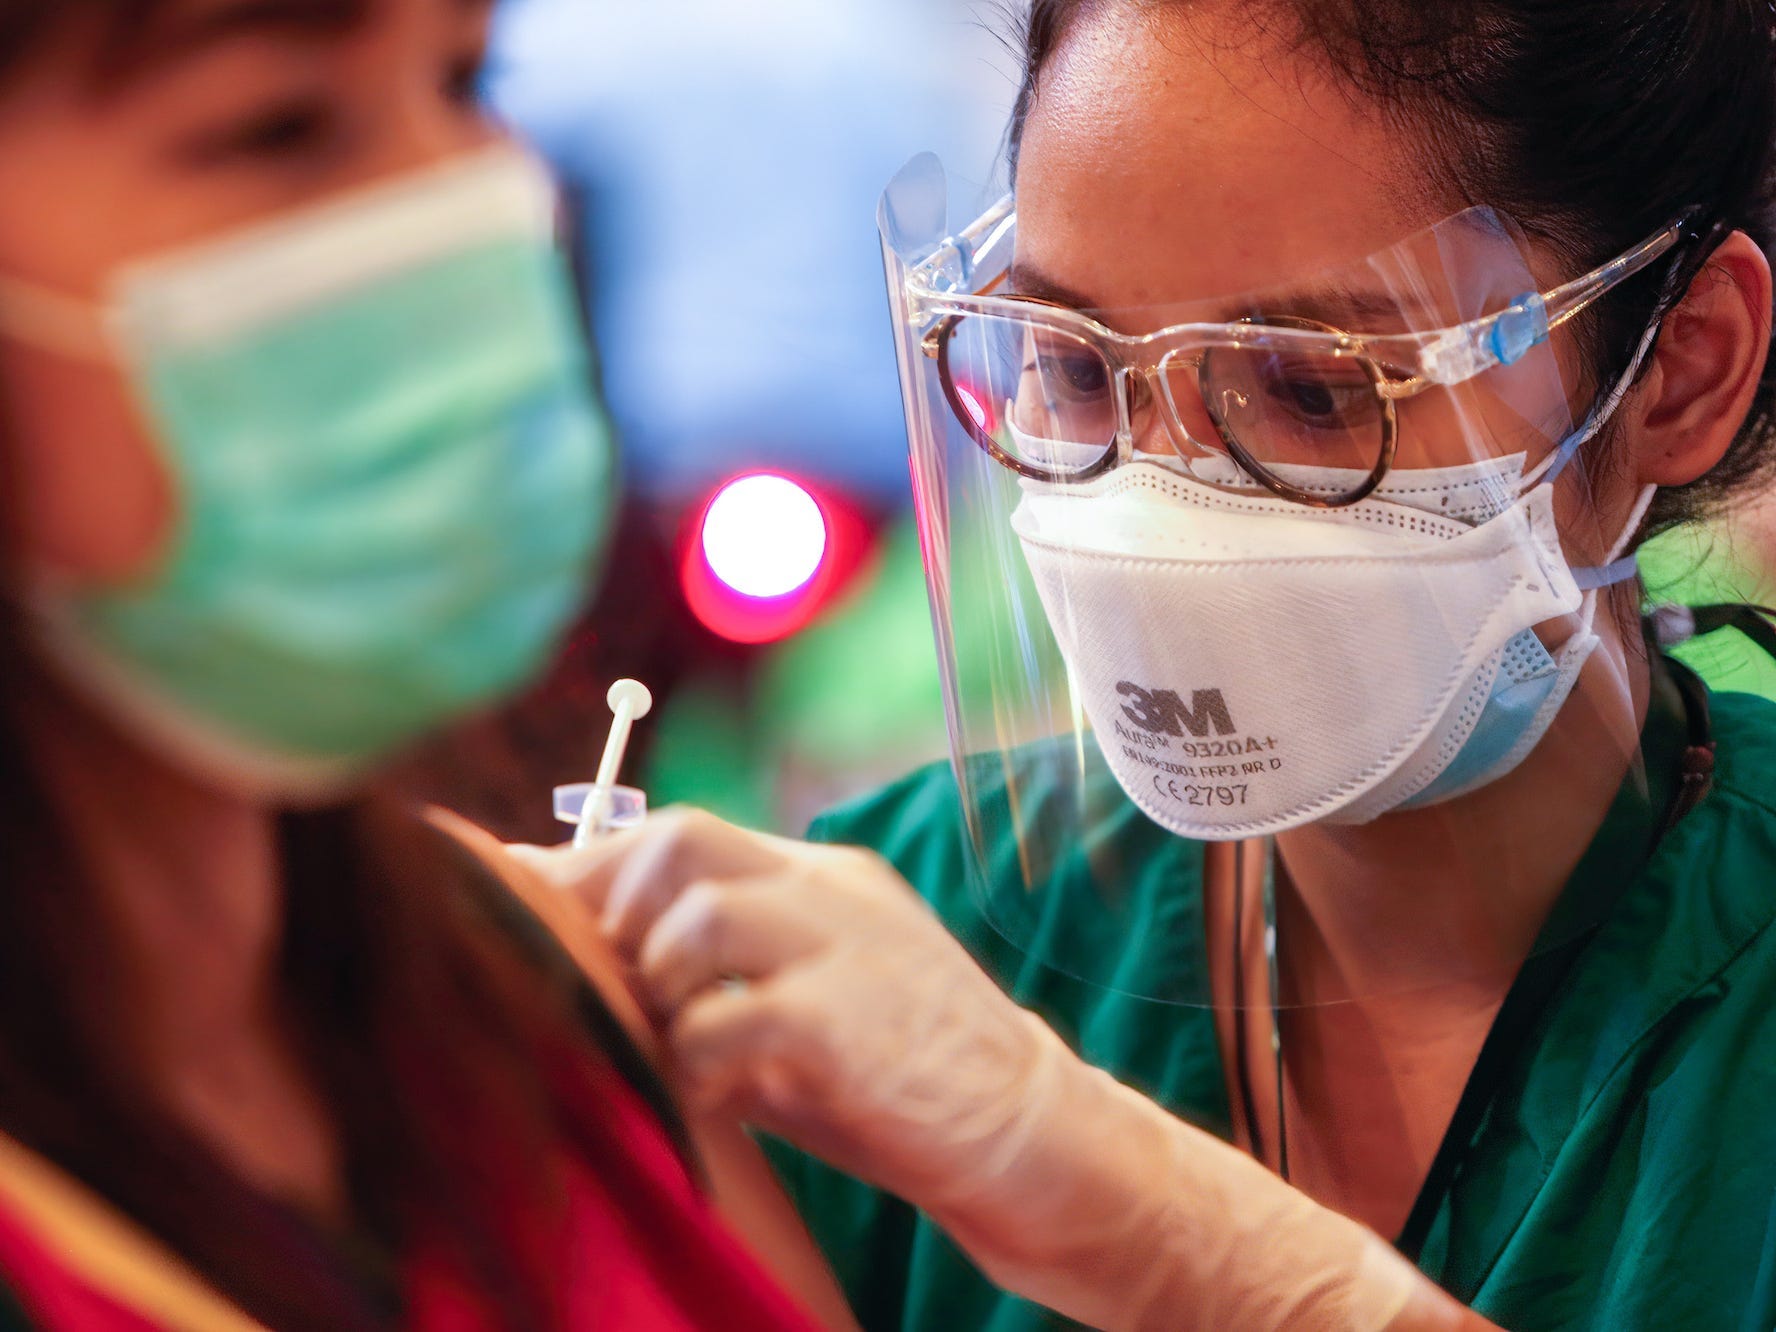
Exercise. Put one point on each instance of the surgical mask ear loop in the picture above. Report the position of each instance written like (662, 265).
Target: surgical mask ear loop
(1615, 569)
(52, 321)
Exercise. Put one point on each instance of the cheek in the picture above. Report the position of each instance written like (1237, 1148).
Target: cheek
(1593, 503)
(89, 496)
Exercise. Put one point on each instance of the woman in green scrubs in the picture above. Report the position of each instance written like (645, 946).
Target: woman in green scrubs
(1280, 448)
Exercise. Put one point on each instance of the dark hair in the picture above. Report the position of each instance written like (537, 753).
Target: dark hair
(1592, 122)
(453, 1047)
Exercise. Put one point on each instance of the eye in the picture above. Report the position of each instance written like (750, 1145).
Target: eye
(1081, 375)
(289, 129)
(1068, 367)
(1329, 397)
(465, 80)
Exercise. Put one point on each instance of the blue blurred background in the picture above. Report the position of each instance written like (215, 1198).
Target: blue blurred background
(724, 163)
(728, 159)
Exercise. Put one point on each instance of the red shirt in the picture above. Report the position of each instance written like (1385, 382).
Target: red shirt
(644, 1251)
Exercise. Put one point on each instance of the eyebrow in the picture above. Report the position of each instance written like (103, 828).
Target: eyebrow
(1340, 307)
(1024, 280)
(176, 33)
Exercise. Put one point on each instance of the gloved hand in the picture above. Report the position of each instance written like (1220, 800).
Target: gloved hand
(808, 989)
(862, 1031)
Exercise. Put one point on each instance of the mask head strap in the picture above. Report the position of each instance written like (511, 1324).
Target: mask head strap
(1607, 575)
(1617, 567)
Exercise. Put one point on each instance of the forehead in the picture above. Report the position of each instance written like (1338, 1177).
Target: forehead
(126, 42)
(1166, 159)
(129, 33)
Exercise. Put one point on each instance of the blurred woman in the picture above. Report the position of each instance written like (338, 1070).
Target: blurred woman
(300, 463)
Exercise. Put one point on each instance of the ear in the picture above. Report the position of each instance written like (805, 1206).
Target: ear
(1706, 367)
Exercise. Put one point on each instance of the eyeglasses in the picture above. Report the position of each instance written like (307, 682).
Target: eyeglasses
(1056, 396)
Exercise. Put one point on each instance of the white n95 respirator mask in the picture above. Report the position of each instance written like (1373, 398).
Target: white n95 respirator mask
(1249, 665)
(389, 470)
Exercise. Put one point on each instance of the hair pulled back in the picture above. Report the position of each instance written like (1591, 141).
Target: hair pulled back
(1593, 123)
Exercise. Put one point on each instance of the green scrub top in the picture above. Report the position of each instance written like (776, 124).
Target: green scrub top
(1624, 1176)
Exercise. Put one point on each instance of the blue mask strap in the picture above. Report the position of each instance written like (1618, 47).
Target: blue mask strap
(1569, 449)
(1606, 575)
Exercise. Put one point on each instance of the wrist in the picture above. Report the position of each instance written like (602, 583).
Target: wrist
(1112, 1211)
(1063, 1208)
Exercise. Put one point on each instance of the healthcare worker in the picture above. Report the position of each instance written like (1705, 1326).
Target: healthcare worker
(300, 463)
(1280, 447)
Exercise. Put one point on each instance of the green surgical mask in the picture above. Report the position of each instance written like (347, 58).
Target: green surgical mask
(390, 470)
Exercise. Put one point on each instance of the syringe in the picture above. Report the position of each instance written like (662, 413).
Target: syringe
(629, 701)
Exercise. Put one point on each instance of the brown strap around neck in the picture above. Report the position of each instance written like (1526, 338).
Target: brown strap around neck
(1684, 692)
(109, 1252)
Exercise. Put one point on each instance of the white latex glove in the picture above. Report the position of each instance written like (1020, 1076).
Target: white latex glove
(811, 991)
(864, 1032)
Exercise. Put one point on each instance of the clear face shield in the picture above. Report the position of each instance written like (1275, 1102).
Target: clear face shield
(1236, 566)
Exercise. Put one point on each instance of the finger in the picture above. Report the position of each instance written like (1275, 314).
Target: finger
(727, 1046)
(770, 1056)
(676, 849)
(746, 929)
(587, 872)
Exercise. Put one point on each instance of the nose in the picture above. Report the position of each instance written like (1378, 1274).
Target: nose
(421, 128)
(1185, 426)
(405, 66)
(1146, 423)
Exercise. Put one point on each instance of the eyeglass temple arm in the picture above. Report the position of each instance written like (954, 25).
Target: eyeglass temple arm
(1460, 353)
(1566, 301)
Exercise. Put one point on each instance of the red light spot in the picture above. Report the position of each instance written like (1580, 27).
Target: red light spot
(740, 618)
(976, 408)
